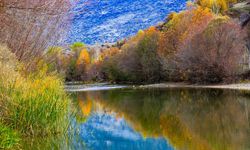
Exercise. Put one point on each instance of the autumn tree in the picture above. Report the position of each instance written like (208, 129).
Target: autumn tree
(57, 59)
(215, 55)
(75, 50)
(137, 61)
(217, 6)
(77, 47)
(82, 64)
(180, 28)
(149, 59)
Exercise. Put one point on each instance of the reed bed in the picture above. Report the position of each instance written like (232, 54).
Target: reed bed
(35, 105)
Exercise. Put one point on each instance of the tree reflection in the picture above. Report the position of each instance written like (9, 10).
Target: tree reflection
(188, 119)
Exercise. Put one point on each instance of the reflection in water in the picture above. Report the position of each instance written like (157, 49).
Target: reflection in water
(105, 131)
(155, 119)
(187, 119)
(85, 106)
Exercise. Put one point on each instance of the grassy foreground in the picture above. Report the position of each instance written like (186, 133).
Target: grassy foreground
(33, 105)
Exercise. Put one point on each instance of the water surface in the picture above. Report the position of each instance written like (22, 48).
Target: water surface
(159, 119)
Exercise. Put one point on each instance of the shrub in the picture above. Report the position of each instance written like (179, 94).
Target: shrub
(213, 55)
(57, 60)
(113, 71)
(71, 73)
(95, 72)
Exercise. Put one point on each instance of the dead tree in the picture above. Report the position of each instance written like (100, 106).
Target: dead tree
(28, 27)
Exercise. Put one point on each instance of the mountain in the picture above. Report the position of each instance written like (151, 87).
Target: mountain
(106, 21)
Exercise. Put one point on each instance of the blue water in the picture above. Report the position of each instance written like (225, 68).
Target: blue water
(100, 21)
(105, 131)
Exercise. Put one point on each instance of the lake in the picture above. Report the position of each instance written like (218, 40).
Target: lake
(156, 119)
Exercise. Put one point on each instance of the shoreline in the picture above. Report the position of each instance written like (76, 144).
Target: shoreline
(108, 86)
(236, 86)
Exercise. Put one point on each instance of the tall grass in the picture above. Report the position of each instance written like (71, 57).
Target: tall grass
(8, 137)
(34, 105)
(37, 106)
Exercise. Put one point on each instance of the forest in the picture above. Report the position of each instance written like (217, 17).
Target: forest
(204, 44)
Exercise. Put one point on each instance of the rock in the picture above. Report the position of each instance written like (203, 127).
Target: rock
(241, 11)
(160, 25)
(244, 19)
(242, 7)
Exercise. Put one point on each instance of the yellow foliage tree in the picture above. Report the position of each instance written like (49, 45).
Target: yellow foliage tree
(108, 53)
(217, 6)
(84, 57)
(183, 26)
